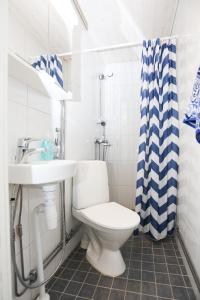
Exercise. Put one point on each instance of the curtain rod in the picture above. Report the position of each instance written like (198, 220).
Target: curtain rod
(119, 46)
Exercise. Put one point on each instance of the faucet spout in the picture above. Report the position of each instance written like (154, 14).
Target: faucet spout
(30, 152)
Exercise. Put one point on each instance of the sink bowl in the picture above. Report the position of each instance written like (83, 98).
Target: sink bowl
(41, 172)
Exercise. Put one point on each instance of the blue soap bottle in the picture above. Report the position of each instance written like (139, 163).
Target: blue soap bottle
(48, 145)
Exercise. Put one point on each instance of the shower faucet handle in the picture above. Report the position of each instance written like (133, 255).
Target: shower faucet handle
(102, 123)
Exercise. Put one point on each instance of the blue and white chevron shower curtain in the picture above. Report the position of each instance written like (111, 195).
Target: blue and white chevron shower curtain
(52, 65)
(157, 170)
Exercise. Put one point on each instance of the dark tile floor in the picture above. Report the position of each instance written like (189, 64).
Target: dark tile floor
(155, 271)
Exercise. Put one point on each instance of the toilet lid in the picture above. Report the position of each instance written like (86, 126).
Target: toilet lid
(111, 215)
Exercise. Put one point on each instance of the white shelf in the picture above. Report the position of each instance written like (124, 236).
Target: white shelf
(38, 80)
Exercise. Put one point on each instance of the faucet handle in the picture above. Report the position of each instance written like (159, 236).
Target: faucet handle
(25, 141)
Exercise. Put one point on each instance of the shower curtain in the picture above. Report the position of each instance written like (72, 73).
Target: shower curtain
(157, 170)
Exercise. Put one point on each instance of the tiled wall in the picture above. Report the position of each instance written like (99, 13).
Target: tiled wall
(121, 100)
(189, 173)
(188, 58)
(29, 114)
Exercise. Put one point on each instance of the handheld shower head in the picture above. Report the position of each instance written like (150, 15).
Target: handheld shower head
(103, 76)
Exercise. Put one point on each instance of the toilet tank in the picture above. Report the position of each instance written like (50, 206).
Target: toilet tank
(90, 185)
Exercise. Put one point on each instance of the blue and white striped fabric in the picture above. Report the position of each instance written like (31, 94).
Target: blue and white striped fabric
(192, 117)
(52, 65)
(156, 191)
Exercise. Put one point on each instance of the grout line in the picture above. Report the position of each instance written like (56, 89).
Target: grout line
(174, 18)
(128, 268)
(169, 277)
(96, 285)
(155, 274)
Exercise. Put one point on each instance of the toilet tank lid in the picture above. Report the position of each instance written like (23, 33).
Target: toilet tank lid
(111, 215)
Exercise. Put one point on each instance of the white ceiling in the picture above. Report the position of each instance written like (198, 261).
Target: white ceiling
(120, 21)
(110, 21)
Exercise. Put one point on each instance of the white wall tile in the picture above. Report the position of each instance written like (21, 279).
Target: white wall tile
(126, 196)
(17, 91)
(39, 102)
(39, 124)
(122, 111)
(17, 126)
(188, 57)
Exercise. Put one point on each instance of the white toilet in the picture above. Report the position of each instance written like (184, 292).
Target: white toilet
(107, 225)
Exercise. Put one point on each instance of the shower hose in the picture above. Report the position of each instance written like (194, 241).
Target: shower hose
(18, 198)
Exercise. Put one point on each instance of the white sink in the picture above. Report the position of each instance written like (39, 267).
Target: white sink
(41, 172)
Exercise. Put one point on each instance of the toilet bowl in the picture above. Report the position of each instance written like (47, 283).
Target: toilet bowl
(107, 225)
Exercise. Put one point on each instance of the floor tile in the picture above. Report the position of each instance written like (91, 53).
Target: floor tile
(148, 276)
(149, 288)
(73, 288)
(135, 264)
(105, 281)
(134, 286)
(162, 268)
(148, 297)
(131, 296)
(176, 280)
(180, 293)
(155, 271)
(148, 266)
(135, 274)
(67, 297)
(79, 276)
(87, 291)
(67, 274)
(187, 281)
(54, 295)
(172, 260)
(191, 294)
(59, 285)
(101, 293)
(92, 278)
(159, 259)
(119, 283)
(84, 266)
(162, 278)
(174, 269)
(73, 264)
(116, 295)
(164, 291)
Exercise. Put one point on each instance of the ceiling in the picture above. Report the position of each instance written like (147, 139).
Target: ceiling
(120, 21)
(110, 21)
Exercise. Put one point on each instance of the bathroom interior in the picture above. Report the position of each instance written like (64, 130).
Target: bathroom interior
(100, 134)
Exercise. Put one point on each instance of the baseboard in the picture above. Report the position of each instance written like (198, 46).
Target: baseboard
(189, 261)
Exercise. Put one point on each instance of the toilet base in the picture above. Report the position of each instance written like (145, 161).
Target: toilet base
(109, 263)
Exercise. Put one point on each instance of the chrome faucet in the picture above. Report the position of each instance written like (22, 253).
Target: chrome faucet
(23, 150)
(102, 143)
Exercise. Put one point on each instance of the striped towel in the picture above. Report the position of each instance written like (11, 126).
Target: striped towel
(52, 65)
(192, 116)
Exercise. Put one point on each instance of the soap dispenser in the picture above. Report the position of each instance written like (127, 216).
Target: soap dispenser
(49, 146)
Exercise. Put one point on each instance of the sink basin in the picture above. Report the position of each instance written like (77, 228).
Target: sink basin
(41, 172)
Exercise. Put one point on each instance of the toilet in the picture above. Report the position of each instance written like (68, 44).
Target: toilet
(107, 225)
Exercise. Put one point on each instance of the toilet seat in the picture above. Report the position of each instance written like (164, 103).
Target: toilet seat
(108, 216)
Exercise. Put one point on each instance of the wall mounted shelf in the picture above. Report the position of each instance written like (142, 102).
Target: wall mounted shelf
(38, 80)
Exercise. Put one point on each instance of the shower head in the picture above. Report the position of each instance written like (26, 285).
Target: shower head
(103, 76)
